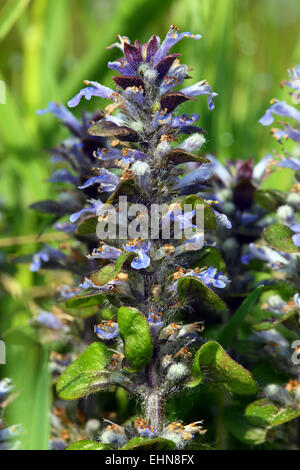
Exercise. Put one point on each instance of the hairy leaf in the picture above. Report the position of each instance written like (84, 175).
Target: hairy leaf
(136, 335)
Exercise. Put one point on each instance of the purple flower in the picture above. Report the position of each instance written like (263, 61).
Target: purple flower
(95, 205)
(296, 238)
(65, 227)
(107, 180)
(6, 387)
(292, 163)
(62, 113)
(210, 277)
(94, 90)
(105, 252)
(63, 176)
(279, 108)
(222, 220)
(201, 88)
(48, 320)
(44, 256)
(139, 247)
(172, 38)
(107, 330)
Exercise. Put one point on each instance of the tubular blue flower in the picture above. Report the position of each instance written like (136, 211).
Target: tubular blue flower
(63, 176)
(62, 113)
(44, 256)
(184, 220)
(280, 108)
(196, 177)
(139, 247)
(172, 38)
(294, 82)
(105, 252)
(222, 220)
(65, 227)
(201, 88)
(6, 386)
(95, 205)
(155, 323)
(144, 429)
(95, 89)
(292, 163)
(11, 432)
(210, 277)
(107, 180)
(107, 330)
(48, 320)
(296, 238)
(127, 155)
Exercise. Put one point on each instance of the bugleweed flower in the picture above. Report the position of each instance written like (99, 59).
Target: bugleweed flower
(131, 149)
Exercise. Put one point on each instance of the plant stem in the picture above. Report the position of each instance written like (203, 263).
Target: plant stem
(154, 403)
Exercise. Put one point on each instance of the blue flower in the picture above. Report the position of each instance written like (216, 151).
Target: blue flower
(292, 163)
(48, 320)
(95, 205)
(222, 220)
(296, 238)
(144, 429)
(139, 247)
(210, 277)
(279, 108)
(63, 176)
(184, 220)
(105, 252)
(62, 113)
(155, 322)
(201, 88)
(6, 387)
(107, 330)
(107, 180)
(44, 256)
(94, 90)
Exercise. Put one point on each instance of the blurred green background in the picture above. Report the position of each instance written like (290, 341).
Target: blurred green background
(48, 47)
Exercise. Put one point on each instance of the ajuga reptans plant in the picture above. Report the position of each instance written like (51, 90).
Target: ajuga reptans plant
(141, 148)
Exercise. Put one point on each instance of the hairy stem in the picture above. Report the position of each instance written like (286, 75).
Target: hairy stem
(154, 400)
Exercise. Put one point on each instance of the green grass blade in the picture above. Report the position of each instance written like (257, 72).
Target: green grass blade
(237, 319)
(9, 14)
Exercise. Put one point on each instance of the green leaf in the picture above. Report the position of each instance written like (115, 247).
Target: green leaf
(223, 372)
(140, 443)
(189, 285)
(239, 426)
(87, 226)
(124, 259)
(135, 332)
(209, 216)
(210, 256)
(281, 179)
(266, 413)
(269, 199)
(85, 444)
(178, 156)
(9, 14)
(84, 376)
(271, 323)
(196, 376)
(104, 275)
(125, 188)
(237, 319)
(279, 236)
(86, 300)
